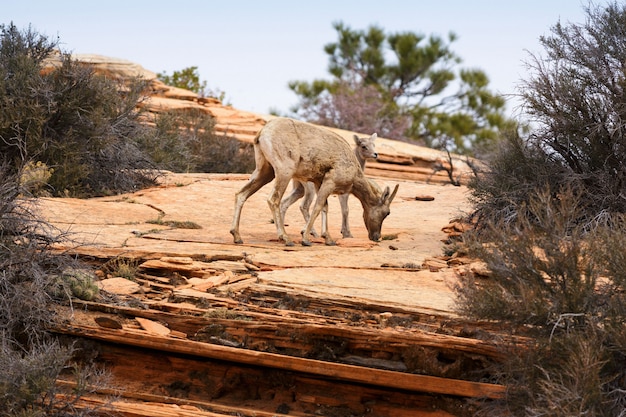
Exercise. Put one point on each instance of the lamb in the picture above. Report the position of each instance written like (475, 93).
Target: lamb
(365, 149)
(287, 149)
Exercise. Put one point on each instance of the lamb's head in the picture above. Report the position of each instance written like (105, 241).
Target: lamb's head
(376, 213)
(365, 147)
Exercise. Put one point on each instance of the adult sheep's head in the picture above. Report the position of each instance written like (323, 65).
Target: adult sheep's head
(376, 213)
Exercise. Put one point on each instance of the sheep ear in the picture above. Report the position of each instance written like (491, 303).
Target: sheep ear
(386, 198)
(357, 140)
(373, 137)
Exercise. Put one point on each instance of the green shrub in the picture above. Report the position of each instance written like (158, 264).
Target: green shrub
(564, 285)
(86, 131)
(575, 98)
(31, 359)
(551, 227)
(543, 264)
(70, 119)
(28, 385)
(516, 170)
(185, 141)
(35, 178)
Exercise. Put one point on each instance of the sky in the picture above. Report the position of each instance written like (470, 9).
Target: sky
(252, 49)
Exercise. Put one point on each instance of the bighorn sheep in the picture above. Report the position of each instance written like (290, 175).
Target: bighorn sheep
(365, 149)
(286, 149)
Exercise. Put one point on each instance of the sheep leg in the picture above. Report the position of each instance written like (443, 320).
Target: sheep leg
(274, 201)
(320, 203)
(309, 193)
(325, 220)
(296, 193)
(262, 175)
(345, 225)
(299, 190)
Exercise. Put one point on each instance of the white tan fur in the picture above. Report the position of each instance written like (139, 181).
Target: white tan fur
(365, 149)
(287, 149)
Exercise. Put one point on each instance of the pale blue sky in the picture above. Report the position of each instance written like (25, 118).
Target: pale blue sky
(252, 49)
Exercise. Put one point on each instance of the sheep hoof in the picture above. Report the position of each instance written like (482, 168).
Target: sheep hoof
(236, 237)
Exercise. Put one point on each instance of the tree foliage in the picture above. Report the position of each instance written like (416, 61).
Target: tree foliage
(400, 86)
(187, 78)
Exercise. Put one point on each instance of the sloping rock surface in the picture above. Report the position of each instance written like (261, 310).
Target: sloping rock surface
(144, 224)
